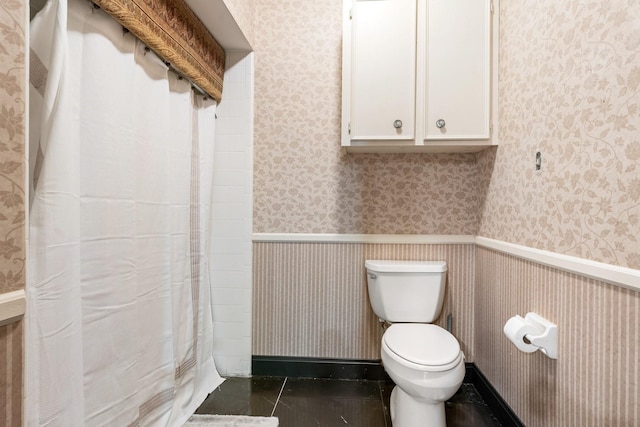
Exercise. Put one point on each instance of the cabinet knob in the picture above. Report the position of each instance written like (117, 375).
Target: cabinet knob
(397, 124)
(440, 123)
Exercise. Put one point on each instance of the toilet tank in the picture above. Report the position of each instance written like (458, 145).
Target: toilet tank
(406, 291)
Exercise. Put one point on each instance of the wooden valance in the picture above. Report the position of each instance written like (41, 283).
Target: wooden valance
(174, 32)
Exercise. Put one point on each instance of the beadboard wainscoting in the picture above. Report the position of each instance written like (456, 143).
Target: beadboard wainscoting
(11, 355)
(596, 379)
(310, 298)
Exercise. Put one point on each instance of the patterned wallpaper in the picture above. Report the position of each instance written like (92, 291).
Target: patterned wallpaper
(569, 85)
(243, 11)
(13, 22)
(12, 134)
(385, 194)
(303, 182)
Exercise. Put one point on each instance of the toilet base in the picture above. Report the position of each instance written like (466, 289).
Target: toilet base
(406, 411)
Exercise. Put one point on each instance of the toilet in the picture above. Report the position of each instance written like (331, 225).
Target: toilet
(423, 360)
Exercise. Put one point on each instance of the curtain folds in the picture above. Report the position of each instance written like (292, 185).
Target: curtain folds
(119, 321)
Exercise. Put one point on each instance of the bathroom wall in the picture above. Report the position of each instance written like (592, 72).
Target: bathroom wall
(310, 299)
(569, 87)
(243, 12)
(230, 268)
(596, 379)
(13, 20)
(305, 183)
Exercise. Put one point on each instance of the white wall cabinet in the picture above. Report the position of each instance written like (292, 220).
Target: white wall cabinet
(383, 72)
(417, 75)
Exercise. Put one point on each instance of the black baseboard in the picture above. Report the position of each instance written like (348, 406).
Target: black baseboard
(491, 397)
(311, 367)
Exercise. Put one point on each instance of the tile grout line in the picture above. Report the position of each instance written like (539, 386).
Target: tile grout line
(279, 394)
(384, 413)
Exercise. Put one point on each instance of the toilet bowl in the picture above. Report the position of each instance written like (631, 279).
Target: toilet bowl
(427, 366)
(423, 360)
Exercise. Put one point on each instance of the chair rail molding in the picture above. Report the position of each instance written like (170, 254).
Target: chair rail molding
(409, 239)
(609, 273)
(12, 306)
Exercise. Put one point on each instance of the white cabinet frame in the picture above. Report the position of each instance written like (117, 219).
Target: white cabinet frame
(421, 139)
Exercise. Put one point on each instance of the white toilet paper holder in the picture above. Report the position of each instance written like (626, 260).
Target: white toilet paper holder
(547, 339)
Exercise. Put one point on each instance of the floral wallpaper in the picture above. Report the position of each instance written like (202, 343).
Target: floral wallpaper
(303, 182)
(12, 142)
(372, 194)
(243, 12)
(13, 22)
(569, 86)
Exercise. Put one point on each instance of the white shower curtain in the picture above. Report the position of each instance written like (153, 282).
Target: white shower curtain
(119, 321)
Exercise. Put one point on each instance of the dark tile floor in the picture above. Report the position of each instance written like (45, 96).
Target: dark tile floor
(302, 402)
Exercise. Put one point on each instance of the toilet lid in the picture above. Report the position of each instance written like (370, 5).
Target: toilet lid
(422, 344)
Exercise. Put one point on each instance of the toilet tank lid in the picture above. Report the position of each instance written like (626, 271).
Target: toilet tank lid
(390, 266)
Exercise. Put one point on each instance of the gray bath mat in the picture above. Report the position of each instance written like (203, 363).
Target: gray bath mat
(230, 421)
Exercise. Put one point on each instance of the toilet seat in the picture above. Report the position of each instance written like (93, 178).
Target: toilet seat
(430, 346)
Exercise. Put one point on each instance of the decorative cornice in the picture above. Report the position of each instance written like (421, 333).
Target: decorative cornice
(176, 34)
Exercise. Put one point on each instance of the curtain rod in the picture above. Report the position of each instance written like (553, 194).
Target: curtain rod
(181, 76)
(194, 86)
(176, 35)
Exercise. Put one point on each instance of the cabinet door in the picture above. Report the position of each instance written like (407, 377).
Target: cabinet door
(383, 72)
(458, 69)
